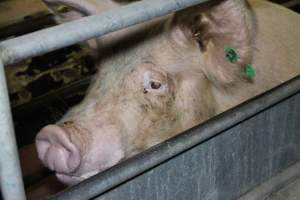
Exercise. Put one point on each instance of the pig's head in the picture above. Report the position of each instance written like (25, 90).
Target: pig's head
(152, 84)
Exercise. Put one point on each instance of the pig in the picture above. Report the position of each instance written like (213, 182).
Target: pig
(162, 77)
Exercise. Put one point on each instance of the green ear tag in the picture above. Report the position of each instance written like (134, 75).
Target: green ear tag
(231, 54)
(250, 71)
(61, 9)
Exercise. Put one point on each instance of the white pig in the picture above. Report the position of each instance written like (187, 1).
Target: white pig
(162, 77)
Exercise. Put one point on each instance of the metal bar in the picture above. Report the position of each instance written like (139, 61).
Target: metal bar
(134, 166)
(40, 42)
(10, 172)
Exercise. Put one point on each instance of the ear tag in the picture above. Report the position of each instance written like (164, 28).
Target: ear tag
(61, 9)
(231, 54)
(250, 71)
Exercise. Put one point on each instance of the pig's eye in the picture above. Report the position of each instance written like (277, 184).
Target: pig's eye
(155, 85)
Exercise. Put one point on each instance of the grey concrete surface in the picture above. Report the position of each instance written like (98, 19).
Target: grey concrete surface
(283, 186)
(288, 192)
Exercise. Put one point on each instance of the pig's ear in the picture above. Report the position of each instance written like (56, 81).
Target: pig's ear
(221, 29)
(69, 10)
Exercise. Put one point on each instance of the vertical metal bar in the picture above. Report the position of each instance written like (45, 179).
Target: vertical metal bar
(10, 172)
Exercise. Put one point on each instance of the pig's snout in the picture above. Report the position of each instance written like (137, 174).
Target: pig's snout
(56, 150)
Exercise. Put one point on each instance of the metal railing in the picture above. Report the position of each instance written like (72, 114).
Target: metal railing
(10, 172)
(41, 42)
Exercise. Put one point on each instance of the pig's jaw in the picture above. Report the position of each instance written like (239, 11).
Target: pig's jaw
(83, 173)
(74, 161)
(72, 180)
(89, 169)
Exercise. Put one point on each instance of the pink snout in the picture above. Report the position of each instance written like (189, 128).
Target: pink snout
(56, 150)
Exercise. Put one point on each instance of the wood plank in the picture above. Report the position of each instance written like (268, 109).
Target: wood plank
(14, 11)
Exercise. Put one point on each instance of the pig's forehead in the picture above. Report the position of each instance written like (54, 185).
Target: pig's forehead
(136, 53)
(161, 50)
(150, 42)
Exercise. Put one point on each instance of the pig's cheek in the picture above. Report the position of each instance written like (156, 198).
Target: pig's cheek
(106, 150)
(93, 43)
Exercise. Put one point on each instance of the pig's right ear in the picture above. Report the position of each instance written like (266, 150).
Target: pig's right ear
(69, 10)
(217, 27)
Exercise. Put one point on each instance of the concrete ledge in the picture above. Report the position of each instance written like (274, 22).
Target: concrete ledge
(272, 189)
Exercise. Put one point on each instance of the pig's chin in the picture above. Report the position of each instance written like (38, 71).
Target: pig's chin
(73, 179)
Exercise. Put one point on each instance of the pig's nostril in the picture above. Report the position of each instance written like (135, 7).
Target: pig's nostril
(56, 150)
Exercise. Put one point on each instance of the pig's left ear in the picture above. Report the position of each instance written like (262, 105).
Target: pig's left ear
(224, 31)
(69, 10)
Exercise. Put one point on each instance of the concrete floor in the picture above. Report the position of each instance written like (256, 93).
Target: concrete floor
(288, 192)
(284, 186)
